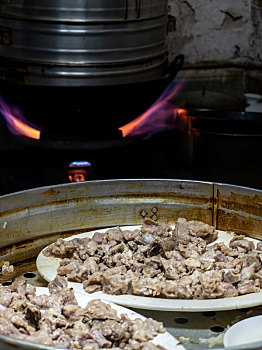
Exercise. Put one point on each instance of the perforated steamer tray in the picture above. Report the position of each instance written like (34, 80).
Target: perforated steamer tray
(207, 324)
(31, 220)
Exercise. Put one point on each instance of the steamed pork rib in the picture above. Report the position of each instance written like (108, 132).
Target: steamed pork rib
(159, 261)
(57, 320)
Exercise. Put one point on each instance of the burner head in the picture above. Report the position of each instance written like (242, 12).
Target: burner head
(79, 171)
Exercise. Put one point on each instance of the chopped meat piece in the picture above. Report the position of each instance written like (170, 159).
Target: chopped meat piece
(119, 248)
(66, 268)
(32, 315)
(186, 230)
(168, 244)
(7, 269)
(146, 286)
(92, 288)
(55, 319)
(6, 297)
(71, 311)
(174, 254)
(173, 268)
(8, 328)
(91, 248)
(62, 340)
(252, 257)
(111, 329)
(191, 263)
(231, 277)
(200, 229)
(116, 280)
(93, 283)
(247, 272)
(97, 310)
(170, 289)
(130, 235)
(259, 246)
(62, 248)
(211, 284)
(258, 277)
(99, 237)
(154, 249)
(91, 265)
(97, 335)
(229, 290)
(144, 330)
(181, 234)
(247, 287)
(19, 287)
(57, 285)
(150, 226)
(41, 337)
(151, 270)
(115, 234)
(82, 341)
(188, 251)
(209, 256)
(241, 244)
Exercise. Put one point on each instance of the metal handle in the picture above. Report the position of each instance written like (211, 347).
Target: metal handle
(176, 65)
(171, 23)
(79, 171)
(5, 36)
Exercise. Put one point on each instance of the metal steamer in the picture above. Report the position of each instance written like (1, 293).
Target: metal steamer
(32, 219)
(82, 42)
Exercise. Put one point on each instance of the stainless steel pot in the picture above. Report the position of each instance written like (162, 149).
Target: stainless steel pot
(82, 42)
(32, 219)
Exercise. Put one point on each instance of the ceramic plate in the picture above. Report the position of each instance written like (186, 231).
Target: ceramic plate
(47, 267)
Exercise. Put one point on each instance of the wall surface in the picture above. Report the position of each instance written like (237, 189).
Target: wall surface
(218, 30)
(221, 40)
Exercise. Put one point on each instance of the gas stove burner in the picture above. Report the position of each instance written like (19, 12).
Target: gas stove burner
(75, 144)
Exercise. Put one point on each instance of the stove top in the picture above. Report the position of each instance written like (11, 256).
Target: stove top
(190, 151)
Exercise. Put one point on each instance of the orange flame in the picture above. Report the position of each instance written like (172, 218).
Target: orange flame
(16, 122)
(162, 115)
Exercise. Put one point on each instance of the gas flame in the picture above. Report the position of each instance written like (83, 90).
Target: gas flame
(162, 115)
(16, 122)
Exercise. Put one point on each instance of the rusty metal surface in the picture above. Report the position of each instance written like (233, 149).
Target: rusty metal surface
(32, 219)
(239, 209)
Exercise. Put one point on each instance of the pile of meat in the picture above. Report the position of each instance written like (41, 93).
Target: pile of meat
(157, 260)
(57, 320)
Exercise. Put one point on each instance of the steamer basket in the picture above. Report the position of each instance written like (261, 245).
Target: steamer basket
(32, 219)
(83, 42)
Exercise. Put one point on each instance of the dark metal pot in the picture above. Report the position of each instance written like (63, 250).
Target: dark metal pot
(224, 146)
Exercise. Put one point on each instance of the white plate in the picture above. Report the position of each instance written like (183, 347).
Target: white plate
(47, 267)
(164, 339)
(245, 332)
